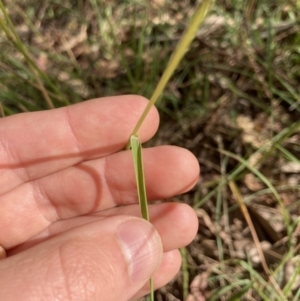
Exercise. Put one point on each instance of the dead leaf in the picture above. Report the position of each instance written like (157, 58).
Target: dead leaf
(290, 167)
(198, 287)
(252, 182)
(270, 219)
(250, 134)
(42, 61)
(74, 40)
(158, 3)
(109, 69)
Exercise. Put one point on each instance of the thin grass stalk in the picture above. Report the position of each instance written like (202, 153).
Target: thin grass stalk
(235, 191)
(185, 273)
(178, 54)
(297, 296)
(221, 292)
(288, 287)
(26, 19)
(25, 80)
(288, 154)
(259, 282)
(14, 38)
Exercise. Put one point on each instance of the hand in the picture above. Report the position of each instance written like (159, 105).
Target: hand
(69, 217)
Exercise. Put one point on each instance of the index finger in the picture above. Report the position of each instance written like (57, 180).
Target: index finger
(33, 145)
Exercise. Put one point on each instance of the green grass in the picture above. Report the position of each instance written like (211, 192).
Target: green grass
(244, 62)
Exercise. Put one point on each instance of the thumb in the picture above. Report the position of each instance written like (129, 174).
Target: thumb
(110, 259)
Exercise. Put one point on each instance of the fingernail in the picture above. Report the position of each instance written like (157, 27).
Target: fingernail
(142, 248)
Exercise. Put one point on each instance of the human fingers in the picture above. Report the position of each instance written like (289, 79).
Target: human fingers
(36, 144)
(176, 224)
(110, 259)
(168, 269)
(92, 186)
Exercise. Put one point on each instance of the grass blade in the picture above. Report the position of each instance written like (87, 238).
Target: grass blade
(185, 273)
(136, 148)
(139, 174)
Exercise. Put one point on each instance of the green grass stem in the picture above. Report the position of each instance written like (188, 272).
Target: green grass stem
(178, 54)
